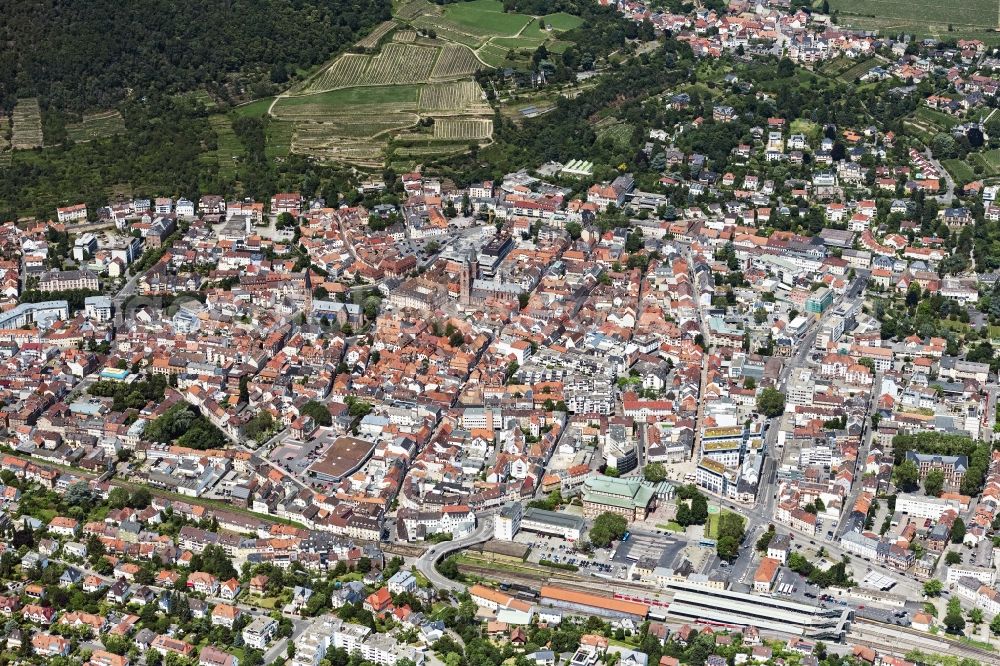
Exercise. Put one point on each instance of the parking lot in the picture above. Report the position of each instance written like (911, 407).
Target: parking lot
(295, 456)
(555, 549)
(659, 548)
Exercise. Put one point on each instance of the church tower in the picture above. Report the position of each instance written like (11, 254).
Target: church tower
(468, 275)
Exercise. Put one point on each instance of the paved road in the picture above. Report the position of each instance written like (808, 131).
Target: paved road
(425, 563)
(949, 182)
(278, 651)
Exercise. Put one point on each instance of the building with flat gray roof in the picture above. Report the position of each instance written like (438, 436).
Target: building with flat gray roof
(42, 314)
(563, 525)
(693, 602)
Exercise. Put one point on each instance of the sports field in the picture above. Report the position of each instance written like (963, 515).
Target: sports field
(964, 19)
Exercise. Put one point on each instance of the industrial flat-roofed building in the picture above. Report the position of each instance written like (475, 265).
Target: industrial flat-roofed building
(698, 603)
(344, 457)
(563, 525)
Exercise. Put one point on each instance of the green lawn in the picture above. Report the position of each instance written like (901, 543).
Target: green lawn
(562, 21)
(712, 526)
(558, 46)
(485, 17)
(957, 326)
(992, 159)
(811, 130)
(256, 108)
(673, 526)
(261, 602)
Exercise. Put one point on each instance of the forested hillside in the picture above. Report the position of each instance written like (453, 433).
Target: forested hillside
(90, 54)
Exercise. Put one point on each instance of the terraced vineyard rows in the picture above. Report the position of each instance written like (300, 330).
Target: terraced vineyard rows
(5, 151)
(348, 70)
(358, 126)
(449, 31)
(315, 140)
(435, 148)
(27, 124)
(473, 129)
(96, 126)
(402, 63)
(456, 97)
(411, 10)
(376, 35)
(366, 108)
(455, 61)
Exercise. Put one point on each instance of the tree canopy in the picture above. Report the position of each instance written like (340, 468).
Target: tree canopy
(65, 55)
(771, 402)
(184, 425)
(607, 527)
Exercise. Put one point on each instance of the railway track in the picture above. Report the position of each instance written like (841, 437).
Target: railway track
(900, 640)
(596, 586)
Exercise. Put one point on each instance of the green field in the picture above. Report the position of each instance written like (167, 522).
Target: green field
(255, 108)
(835, 66)
(351, 97)
(966, 19)
(857, 69)
(942, 120)
(562, 21)
(279, 138)
(518, 43)
(485, 17)
(959, 170)
(989, 161)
